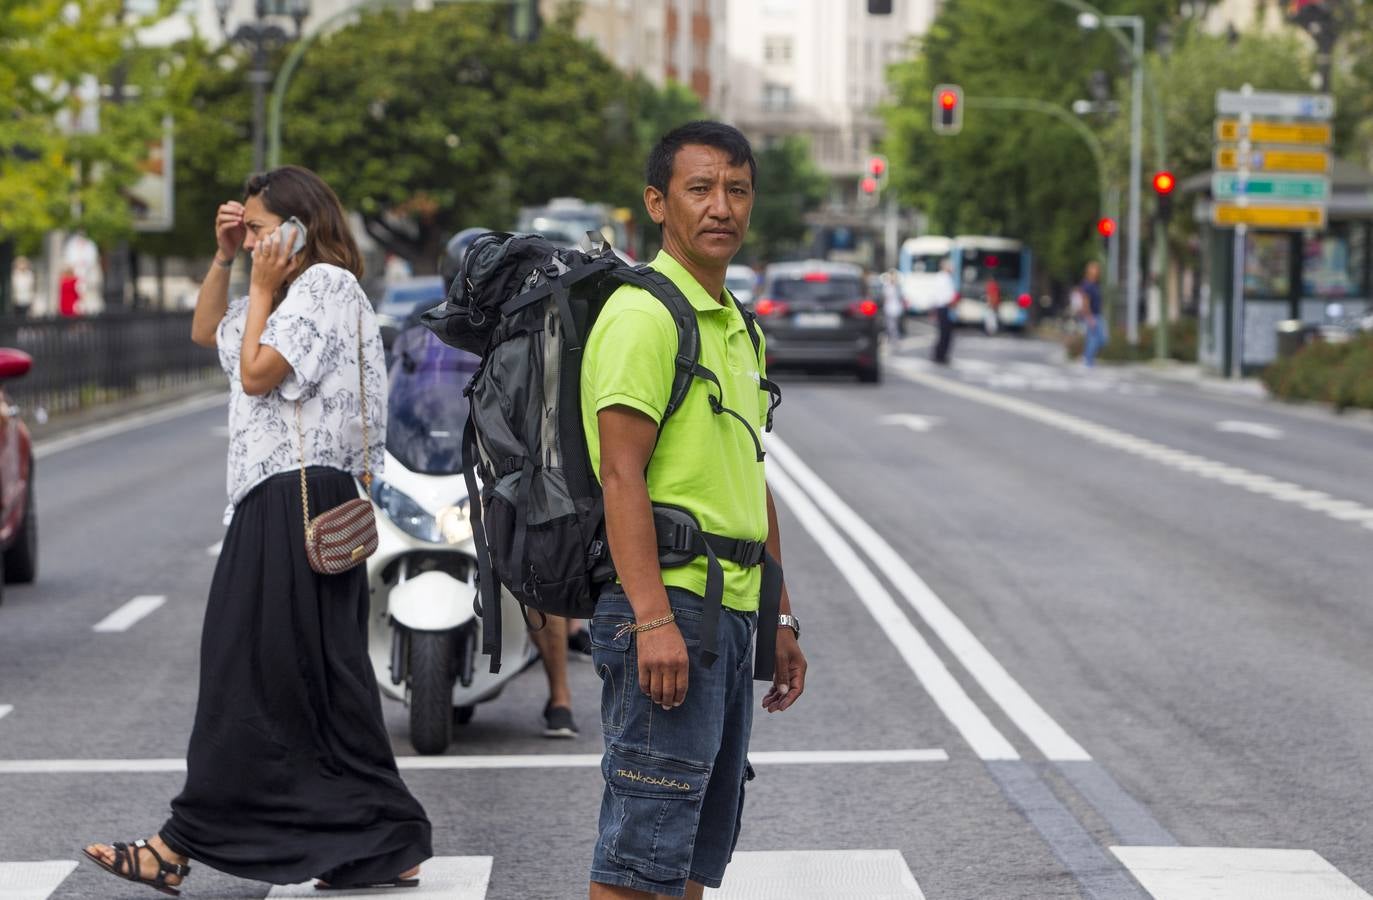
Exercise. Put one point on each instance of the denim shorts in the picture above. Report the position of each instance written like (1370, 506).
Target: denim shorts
(674, 794)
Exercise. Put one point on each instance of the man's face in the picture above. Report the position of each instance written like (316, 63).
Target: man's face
(706, 209)
(1093, 271)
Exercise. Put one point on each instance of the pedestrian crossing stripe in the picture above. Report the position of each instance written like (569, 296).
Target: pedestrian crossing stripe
(446, 877)
(33, 880)
(818, 875)
(1236, 873)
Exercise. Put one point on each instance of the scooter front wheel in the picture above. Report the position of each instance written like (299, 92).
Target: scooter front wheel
(431, 691)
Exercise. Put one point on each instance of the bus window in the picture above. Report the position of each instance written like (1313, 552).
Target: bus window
(927, 263)
(984, 265)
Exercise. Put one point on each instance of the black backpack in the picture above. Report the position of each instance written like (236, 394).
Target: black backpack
(526, 307)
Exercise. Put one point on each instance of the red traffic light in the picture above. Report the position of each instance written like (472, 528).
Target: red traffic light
(1106, 226)
(1164, 182)
(869, 185)
(948, 99)
(877, 166)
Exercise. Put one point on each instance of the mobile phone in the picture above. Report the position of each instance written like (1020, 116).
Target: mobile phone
(293, 230)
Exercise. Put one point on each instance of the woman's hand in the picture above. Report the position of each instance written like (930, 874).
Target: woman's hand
(271, 263)
(229, 229)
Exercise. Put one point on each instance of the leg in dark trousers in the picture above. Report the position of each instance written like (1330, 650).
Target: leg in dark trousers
(944, 320)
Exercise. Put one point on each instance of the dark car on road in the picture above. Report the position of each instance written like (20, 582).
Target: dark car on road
(402, 303)
(18, 517)
(819, 315)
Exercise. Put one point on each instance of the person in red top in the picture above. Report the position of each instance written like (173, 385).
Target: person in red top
(67, 294)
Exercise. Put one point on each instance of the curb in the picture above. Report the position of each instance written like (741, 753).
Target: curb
(105, 413)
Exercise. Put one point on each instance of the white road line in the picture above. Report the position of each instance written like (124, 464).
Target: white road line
(33, 880)
(1005, 691)
(1253, 429)
(1234, 873)
(446, 877)
(128, 423)
(5, 710)
(986, 741)
(1285, 492)
(818, 875)
(511, 761)
(130, 613)
(911, 420)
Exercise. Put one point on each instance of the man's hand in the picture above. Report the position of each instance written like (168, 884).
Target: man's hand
(663, 665)
(789, 679)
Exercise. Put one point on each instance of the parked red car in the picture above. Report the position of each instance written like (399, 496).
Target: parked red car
(18, 517)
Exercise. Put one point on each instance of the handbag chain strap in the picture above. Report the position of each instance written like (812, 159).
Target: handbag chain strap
(366, 447)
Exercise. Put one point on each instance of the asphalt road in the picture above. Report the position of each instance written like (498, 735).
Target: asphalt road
(1078, 611)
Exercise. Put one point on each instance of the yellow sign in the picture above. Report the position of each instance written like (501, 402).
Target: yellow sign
(1276, 217)
(1274, 132)
(1229, 158)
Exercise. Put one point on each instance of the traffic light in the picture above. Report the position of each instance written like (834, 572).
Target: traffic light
(1106, 226)
(947, 116)
(1164, 182)
(873, 180)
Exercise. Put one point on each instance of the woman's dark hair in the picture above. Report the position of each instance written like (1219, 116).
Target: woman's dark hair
(710, 134)
(295, 191)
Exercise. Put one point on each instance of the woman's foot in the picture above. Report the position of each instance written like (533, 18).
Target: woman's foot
(409, 878)
(149, 862)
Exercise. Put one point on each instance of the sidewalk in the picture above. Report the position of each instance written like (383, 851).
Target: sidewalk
(1194, 374)
(105, 413)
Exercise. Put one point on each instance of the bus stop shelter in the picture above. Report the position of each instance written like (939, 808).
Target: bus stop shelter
(1317, 277)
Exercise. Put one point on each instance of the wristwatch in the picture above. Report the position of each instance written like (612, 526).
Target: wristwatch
(786, 621)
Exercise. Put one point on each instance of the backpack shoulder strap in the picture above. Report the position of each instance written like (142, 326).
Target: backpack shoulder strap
(688, 362)
(771, 388)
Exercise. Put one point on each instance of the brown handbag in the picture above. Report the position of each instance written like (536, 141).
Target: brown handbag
(338, 539)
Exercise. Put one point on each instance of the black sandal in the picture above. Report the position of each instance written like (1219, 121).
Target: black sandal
(126, 859)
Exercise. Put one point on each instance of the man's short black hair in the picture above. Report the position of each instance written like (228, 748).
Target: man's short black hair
(710, 134)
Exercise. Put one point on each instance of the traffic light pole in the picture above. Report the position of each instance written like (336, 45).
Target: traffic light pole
(1136, 130)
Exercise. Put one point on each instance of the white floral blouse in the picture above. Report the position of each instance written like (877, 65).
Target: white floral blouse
(316, 329)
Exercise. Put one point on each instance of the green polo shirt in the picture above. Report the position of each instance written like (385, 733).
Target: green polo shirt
(704, 462)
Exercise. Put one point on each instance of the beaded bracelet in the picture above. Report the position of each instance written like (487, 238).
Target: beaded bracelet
(634, 628)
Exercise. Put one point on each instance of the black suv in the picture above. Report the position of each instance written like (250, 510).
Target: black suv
(818, 315)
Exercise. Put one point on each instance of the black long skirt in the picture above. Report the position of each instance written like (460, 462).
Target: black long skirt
(290, 774)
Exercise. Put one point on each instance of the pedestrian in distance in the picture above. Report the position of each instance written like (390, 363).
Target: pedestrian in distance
(22, 286)
(69, 294)
(676, 722)
(290, 773)
(893, 306)
(1094, 330)
(944, 298)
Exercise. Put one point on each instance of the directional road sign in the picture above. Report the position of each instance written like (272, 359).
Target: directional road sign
(1276, 105)
(1294, 218)
(1233, 130)
(1270, 160)
(1268, 188)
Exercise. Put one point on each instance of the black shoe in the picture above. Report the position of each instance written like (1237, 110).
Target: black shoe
(558, 722)
(579, 644)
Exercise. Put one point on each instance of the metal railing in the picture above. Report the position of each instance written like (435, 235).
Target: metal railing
(82, 362)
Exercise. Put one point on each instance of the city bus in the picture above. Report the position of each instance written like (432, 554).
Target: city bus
(992, 275)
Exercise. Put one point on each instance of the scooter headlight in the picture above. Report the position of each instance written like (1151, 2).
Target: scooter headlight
(454, 524)
(405, 513)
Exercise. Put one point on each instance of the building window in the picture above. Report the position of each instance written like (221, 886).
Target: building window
(777, 49)
(776, 97)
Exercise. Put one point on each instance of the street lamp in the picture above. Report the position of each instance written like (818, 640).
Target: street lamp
(1092, 21)
(261, 37)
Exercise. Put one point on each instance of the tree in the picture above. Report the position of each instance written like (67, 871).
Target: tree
(429, 122)
(789, 186)
(51, 177)
(1019, 174)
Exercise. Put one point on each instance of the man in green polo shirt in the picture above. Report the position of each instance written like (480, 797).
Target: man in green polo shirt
(677, 731)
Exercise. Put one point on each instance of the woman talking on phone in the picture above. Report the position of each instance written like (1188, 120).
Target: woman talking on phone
(290, 773)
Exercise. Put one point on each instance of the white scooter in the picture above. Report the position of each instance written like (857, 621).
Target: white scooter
(425, 635)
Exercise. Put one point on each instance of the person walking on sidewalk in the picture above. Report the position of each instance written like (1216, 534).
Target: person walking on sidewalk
(290, 772)
(1094, 328)
(675, 719)
(944, 299)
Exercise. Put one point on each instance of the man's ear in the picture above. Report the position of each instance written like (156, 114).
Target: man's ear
(656, 204)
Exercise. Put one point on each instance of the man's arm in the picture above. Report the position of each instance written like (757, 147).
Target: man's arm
(627, 441)
(789, 680)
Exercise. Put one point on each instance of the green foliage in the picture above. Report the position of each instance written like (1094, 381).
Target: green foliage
(789, 186)
(429, 122)
(1182, 343)
(1338, 373)
(51, 179)
(1019, 174)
